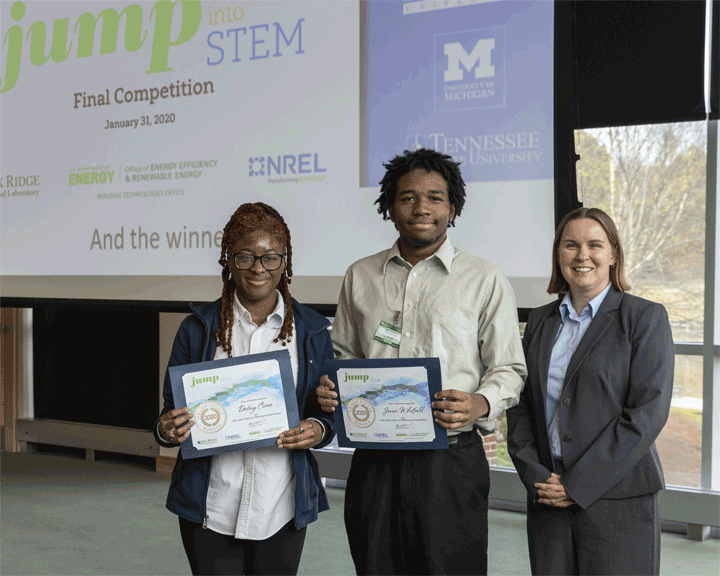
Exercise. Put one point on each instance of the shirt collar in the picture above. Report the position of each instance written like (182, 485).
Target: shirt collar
(277, 316)
(594, 304)
(444, 254)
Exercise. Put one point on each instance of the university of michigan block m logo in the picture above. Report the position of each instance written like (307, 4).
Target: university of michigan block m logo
(480, 55)
(470, 69)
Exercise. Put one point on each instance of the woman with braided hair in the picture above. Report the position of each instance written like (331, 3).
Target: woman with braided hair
(246, 512)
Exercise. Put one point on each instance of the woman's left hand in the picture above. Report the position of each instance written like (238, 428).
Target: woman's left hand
(552, 493)
(306, 435)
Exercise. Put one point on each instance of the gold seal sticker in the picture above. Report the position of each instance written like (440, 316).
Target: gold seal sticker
(361, 412)
(210, 417)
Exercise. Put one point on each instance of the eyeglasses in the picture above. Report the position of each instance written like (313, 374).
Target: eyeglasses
(246, 261)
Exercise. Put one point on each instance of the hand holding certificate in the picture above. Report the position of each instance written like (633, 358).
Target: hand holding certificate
(456, 409)
(387, 403)
(174, 426)
(237, 403)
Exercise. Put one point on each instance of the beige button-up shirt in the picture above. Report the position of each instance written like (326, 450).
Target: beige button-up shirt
(453, 306)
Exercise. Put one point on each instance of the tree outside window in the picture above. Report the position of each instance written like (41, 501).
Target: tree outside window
(651, 180)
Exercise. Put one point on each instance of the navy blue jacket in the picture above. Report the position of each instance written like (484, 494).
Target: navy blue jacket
(195, 342)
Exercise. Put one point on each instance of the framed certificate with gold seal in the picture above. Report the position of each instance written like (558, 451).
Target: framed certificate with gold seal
(386, 403)
(237, 403)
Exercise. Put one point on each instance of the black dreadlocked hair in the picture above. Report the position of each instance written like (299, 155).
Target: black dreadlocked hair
(429, 160)
(246, 219)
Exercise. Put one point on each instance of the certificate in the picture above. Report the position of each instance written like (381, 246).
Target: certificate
(386, 403)
(237, 403)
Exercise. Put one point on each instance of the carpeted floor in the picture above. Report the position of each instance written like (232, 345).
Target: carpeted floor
(63, 515)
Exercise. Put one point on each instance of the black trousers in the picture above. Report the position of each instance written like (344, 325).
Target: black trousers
(609, 537)
(211, 553)
(419, 511)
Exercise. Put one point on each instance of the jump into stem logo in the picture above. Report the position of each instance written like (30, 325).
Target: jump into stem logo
(189, 17)
(470, 69)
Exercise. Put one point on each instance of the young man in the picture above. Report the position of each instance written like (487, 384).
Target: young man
(425, 511)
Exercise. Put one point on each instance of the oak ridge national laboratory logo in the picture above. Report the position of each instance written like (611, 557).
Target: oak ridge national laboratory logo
(361, 412)
(210, 417)
(470, 69)
(26, 185)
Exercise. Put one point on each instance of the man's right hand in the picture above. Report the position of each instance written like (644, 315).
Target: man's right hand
(325, 394)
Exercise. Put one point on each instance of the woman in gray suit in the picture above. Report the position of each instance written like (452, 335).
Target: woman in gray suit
(600, 376)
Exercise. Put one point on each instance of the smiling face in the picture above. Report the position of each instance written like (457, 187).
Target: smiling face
(421, 211)
(256, 287)
(585, 255)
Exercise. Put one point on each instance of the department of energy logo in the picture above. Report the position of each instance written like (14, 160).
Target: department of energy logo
(361, 412)
(210, 417)
(470, 69)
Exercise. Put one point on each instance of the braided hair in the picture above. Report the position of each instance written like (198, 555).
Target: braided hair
(429, 160)
(246, 219)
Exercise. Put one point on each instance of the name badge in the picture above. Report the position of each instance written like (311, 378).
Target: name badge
(388, 334)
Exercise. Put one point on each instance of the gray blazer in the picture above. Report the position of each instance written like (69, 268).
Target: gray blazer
(614, 403)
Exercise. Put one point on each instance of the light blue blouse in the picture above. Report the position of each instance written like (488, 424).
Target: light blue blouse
(571, 331)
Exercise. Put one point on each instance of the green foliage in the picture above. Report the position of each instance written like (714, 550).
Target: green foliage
(503, 458)
(694, 416)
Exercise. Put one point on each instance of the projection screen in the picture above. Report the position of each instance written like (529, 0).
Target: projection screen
(130, 132)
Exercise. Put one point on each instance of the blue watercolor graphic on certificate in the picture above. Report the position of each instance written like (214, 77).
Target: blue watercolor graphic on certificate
(269, 385)
(409, 388)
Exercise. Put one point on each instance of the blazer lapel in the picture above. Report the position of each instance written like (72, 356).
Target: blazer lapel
(602, 321)
(548, 332)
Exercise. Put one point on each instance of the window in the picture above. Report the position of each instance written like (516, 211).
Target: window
(651, 180)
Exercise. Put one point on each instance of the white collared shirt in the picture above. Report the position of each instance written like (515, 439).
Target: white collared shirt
(252, 492)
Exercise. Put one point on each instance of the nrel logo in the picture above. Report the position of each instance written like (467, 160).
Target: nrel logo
(285, 164)
(470, 69)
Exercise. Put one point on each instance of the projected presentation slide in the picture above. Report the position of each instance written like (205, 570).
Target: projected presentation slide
(131, 132)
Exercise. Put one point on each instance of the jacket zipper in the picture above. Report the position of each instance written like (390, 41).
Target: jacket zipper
(206, 345)
(207, 487)
(307, 362)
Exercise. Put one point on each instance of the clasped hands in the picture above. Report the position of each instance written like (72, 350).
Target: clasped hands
(465, 408)
(552, 492)
(175, 428)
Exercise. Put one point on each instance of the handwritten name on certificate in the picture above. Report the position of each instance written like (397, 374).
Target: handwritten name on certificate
(386, 404)
(236, 404)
